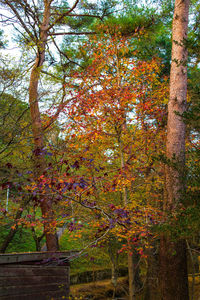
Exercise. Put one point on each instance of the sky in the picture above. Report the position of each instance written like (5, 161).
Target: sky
(12, 48)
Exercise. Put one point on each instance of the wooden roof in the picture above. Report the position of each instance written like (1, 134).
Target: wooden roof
(10, 258)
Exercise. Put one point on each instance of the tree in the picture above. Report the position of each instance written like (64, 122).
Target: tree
(173, 259)
(38, 25)
(116, 116)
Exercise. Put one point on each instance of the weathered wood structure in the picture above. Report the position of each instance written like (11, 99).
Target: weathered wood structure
(34, 276)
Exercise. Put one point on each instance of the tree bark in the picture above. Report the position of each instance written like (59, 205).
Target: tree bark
(151, 286)
(173, 270)
(173, 259)
(39, 159)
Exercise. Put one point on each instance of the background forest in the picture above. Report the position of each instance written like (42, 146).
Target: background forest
(99, 140)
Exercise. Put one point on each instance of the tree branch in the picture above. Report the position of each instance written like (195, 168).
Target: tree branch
(63, 15)
(73, 33)
(8, 2)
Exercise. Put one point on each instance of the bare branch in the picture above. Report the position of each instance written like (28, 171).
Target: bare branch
(73, 33)
(19, 18)
(74, 256)
(65, 55)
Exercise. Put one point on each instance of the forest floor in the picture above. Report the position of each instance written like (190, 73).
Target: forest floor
(194, 288)
(100, 290)
(103, 290)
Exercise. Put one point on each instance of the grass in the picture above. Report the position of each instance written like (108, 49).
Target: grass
(91, 259)
(22, 241)
(103, 290)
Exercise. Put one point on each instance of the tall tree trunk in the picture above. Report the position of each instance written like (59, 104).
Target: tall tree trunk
(151, 287)
(173, 259)
(131, 268)
(131, 277)
(39, 159)
(125, 192)
(113, 254)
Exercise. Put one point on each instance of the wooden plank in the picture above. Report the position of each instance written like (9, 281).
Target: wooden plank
(22, 279)
(31, 289)
(33, 256)
(33, 271)
(38, 296)
(10, 281)
(33, 266)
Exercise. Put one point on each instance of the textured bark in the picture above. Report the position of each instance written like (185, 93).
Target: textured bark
(39, 159)
(173, 260)
(177, 104)
(133, 274)
(151, 286)
(173, 267)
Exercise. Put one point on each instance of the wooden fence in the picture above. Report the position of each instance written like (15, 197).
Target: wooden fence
(34, 276)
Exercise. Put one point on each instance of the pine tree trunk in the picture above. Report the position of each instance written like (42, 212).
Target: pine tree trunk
(173, 260)
(173, 270)
(39, 159)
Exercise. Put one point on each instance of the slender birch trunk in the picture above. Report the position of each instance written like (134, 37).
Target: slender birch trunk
(173, 259)
(131, 269)
(131, 272)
